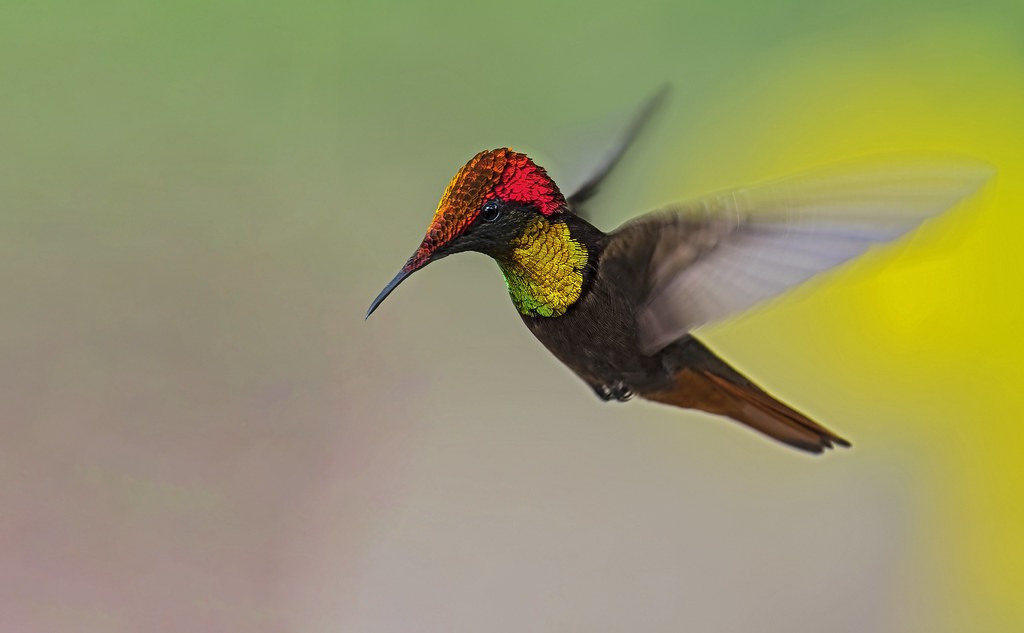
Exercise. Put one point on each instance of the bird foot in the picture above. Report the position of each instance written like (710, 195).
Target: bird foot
(616, 391)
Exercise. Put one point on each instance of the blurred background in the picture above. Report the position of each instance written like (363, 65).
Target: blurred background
(199, 432)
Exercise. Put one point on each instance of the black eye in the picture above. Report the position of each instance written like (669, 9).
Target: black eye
(491, 211)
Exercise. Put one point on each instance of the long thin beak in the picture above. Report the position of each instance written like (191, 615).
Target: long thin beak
(399, 278)
(430, 249)
(419, 259)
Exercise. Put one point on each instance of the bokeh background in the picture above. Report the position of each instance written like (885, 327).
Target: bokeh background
(199, 432)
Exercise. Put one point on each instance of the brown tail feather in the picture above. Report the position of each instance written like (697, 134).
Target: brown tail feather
(734, 396)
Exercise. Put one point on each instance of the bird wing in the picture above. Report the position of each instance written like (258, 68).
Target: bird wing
(608, 161)
(719, 255)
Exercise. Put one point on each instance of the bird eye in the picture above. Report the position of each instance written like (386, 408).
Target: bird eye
(491, 211)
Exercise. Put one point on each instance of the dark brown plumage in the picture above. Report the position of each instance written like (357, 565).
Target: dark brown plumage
(599, 339)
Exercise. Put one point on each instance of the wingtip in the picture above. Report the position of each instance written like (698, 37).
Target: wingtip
(965, 177)
(646, 112)
(654, 103)
(960, 175)
(661, 93)
(984, 173)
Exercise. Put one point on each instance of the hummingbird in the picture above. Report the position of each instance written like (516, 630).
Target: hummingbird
(620, 308)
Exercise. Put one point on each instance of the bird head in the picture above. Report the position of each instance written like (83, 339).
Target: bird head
(486, 206)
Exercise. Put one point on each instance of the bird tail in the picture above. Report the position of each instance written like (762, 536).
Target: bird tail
(706, 382)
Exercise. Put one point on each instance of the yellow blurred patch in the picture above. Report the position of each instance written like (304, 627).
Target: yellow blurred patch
(944, 308)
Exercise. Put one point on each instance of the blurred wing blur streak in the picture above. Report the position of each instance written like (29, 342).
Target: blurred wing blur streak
(587, 190)
(721, 254)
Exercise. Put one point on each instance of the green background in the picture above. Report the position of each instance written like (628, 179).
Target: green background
(198, 431)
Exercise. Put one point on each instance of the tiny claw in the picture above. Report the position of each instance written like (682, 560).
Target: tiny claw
(619, 391)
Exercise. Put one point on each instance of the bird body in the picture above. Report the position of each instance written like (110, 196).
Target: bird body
(599, 338)
(619, 308)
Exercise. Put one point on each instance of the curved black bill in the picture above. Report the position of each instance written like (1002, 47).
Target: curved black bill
(399, 278)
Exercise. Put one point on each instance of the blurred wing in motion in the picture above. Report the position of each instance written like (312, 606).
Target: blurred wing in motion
(591, 184)
(719, 255)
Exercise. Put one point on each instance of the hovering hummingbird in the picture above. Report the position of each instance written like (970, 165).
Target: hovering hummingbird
(620, 308)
